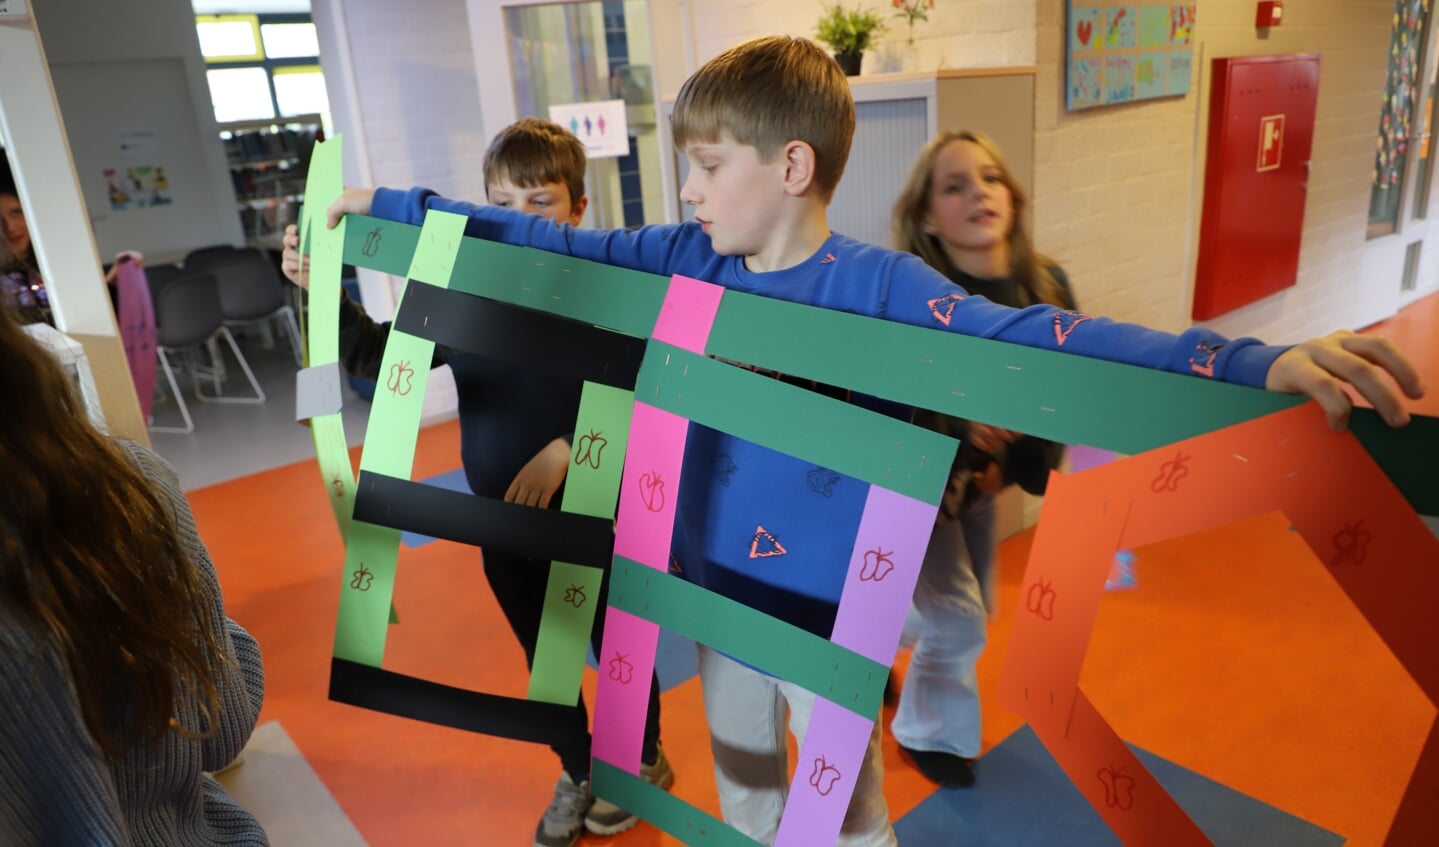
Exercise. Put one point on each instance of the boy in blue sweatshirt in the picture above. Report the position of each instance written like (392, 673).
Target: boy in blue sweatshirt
(515, 433)
(766, 127)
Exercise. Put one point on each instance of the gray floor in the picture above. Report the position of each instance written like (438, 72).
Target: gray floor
(233, 440)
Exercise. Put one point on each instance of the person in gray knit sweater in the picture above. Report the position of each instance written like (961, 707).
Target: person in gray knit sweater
(122, 681)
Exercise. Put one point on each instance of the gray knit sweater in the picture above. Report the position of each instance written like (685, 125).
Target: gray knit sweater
(56, 788)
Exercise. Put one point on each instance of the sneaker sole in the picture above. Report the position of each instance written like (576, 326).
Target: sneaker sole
(633, 820)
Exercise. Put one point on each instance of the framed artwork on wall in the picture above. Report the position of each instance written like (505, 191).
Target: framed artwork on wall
(1121, 52)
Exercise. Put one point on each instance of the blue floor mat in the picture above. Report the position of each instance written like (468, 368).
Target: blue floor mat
(1022, 798)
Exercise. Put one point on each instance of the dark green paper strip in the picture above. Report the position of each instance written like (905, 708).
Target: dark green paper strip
(817, 664)
(738, 402)
(1117, 407)
(663, 809)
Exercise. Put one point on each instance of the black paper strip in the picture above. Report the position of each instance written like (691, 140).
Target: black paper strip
(522, 336)
(547, 534)
(474, 711)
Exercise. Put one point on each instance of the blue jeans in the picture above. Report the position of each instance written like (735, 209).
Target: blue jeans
(939, 703)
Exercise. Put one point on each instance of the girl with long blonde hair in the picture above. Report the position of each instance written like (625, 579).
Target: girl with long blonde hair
(962, 211)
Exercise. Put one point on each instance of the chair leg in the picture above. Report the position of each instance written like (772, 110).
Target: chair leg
(287, 315)
(189, 426)
(244, 366)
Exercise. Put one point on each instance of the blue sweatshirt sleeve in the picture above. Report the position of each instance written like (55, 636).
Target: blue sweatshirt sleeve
(922, 296)
(652, 249)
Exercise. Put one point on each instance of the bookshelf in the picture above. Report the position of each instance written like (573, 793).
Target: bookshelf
(268, 161)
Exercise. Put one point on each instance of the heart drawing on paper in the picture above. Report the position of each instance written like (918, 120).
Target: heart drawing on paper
(1086, 31)
(652, 491)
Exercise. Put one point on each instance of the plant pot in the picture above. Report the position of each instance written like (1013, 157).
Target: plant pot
(849, 62)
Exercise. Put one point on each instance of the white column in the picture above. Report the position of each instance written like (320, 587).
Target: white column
(49, 188)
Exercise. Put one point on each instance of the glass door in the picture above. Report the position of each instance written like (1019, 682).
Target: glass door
(578, 52)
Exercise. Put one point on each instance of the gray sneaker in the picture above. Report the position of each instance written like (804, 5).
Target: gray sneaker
(605, 818)
(564, 820)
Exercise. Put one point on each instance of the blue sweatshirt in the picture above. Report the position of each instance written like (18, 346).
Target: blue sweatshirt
(770, 530)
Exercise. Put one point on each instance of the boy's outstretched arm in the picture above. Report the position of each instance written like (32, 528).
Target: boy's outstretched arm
(1322, 367)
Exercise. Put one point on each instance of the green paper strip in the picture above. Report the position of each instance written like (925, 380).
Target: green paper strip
(366, 593)
(742, 403)
(1116, 407)
(592, 292)
(663, 809)
(333, 455)
(323, 183)
(1067, 398)
(597, 458)
(572, 593)
(368, 583)
(842, 676)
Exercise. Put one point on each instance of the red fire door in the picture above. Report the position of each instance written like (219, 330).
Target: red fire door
(1261, 129)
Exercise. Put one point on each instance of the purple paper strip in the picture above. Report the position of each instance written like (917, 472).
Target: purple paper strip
(888, 551)
(824, 779)
(626, 666)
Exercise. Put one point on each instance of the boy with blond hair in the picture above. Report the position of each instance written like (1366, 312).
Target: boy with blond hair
(515, 444)
(766, 127)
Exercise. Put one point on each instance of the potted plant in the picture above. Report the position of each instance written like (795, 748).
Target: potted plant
(849, 32)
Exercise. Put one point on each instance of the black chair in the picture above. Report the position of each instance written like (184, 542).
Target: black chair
(159, 276)
(199, 260)
(251, 290)
(188, 315)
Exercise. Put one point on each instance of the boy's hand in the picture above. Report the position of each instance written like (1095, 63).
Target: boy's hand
(295, 267)
(541, 476)
(354, 201)
(1320, 369)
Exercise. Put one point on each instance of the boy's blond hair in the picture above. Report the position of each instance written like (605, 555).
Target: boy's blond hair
(532, 152)
(765, 93)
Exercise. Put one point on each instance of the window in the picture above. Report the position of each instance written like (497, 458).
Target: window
(263, 66)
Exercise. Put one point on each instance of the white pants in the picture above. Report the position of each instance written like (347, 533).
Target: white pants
(746, 711)
(939, 703)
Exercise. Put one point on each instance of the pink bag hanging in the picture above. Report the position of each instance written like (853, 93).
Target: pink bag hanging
(137, 326)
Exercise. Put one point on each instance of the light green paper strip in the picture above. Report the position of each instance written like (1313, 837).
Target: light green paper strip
(572, 593)
(780, 649)
(914, 462)
(323, 183)
(604, 414)
(368, 584)
(663, 809)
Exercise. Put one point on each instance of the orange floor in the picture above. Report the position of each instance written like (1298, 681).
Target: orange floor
(1236, 657)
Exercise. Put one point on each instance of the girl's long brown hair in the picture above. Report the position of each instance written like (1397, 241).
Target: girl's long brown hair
(1026, 267)
(89, 557)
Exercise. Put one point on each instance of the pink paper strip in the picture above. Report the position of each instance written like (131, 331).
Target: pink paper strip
(824, 779)
(888, 551)
(650, 486)
(137, 327)
(627, 666)
(688, 313)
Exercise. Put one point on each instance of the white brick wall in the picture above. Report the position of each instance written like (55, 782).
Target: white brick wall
(958, 34)
(418, 108)
(1118, 190)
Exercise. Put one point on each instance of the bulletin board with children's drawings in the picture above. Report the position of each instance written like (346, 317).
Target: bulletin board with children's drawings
(1118, 53)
